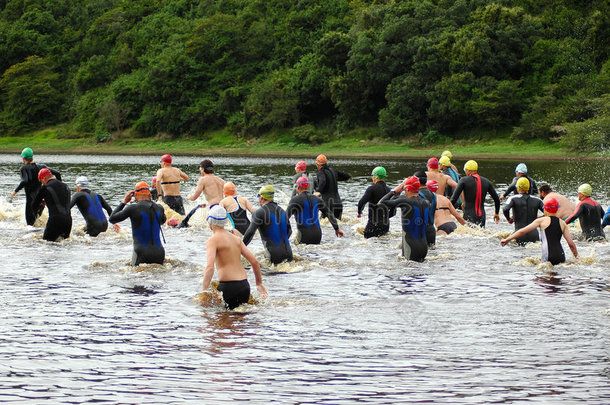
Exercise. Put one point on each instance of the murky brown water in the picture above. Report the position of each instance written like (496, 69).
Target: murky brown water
(350, 321)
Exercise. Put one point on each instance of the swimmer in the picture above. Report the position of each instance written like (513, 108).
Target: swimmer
(224, 250)
(185, 221)
(168, 184)
(475, 190)
(56, 196)
(447, 168)
(566, 207)
(209, 184)
(327, 186)
(520, 172)
(378, 223)
(236, 206)
(146, 219)
(300, 170)
(590, 214)
(91, 206)
(444, 211)
(273, 225)
(551, 231)
(606, 220)
(153, 189)
(525, 209)
(415, 216)
(306, 208)
(443, 180)
(431, 198)
(449, 155)
(31, 185)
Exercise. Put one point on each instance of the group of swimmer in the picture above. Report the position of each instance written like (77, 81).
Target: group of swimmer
(429, 200)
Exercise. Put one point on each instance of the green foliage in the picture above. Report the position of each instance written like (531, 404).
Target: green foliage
(590, 135)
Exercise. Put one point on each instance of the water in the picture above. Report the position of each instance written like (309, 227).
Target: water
(349, 321)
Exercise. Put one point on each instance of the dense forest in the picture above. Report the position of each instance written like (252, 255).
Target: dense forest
(187, 67)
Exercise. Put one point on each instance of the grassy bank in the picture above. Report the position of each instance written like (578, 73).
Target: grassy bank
(360, 142)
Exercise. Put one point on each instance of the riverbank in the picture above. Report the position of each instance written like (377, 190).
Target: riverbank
(355, 144)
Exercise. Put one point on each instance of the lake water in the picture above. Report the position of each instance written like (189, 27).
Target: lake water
(349, 322)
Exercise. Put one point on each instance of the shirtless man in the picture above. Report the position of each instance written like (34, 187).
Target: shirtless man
(566, 207)
(441, 179)
(444, 211)
(209, 184)
(236, 206)
(225, 250)
(168, 184)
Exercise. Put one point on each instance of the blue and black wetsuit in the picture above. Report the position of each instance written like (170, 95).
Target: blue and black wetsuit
(606, 220)
(146, 219)
(240, 218)
(92, 206)
(551, 243)
(590, 214)
(305, 208)
(415, 218)
(379, 216)
(272, 222)
(525, 210)
(328, 188)
(475, 190)
(31, 185)
(56, 195)
(430, 229)
(512, 187)
(311, 179)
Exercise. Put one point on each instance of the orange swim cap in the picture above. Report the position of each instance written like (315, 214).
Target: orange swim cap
(321, 160)
(229, 189)
(142, 188)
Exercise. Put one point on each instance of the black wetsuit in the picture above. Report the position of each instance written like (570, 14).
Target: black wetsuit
(512, 187)
(273, 225)
(415, 217)
(525, 210)
(329, 189)
(56, 195)
(590, 214)
(430, 229)
(305, 208)
(174, 202)
(240, 218)
(185, 221)
(31, 185)
(311, 179)
(551, 243)
(146, 219)
(234, 292)
(379, 216)
(475, 190)
(92, 206)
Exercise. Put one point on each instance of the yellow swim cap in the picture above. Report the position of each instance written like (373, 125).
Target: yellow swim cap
(447, 153)
(471, 165)
(445, 161)
(523, 184)
(585, 189)
(267, 192)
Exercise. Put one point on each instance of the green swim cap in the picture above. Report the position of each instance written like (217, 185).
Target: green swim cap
(267, 192)
(585, 189)
(379, 172)
(27, 153)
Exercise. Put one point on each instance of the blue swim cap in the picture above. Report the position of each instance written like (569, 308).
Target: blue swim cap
(521, 168)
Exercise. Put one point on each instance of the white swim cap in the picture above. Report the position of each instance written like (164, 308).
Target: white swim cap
(217, 216)
(82, 182)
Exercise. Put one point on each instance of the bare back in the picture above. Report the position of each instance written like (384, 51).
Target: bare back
(228, 256)
(230, 204)
(169, 179)
(566, 207)
(442, 180)
(212, 187)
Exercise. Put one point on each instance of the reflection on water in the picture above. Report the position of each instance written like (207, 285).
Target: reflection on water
(349, 321)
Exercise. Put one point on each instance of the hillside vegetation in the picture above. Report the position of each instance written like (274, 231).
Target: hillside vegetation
(433, 70)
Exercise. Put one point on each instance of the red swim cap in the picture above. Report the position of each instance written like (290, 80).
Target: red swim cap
(301, 165)
(433, 163)
(302, 182)
(432, 185)
(412, 183)
(551, 205)
(44, 173)
(173, 222)
(166, 158)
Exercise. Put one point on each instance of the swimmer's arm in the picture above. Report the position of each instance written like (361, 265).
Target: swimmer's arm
(494, 196)
(105, 205)
(571, 244)
(342, 176)
(522, 231)
(158, 185)
(75, 199)
(450, 182)
(254, 224)
(210, 248)
(457, 191)
(183, 175)
(575, 214)
(198, 190)
(456, 214)
(248, 205)
(365, 198)
(256, 269)
(506, 209)
(39, 197)
(329, 214)
(119, 214)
